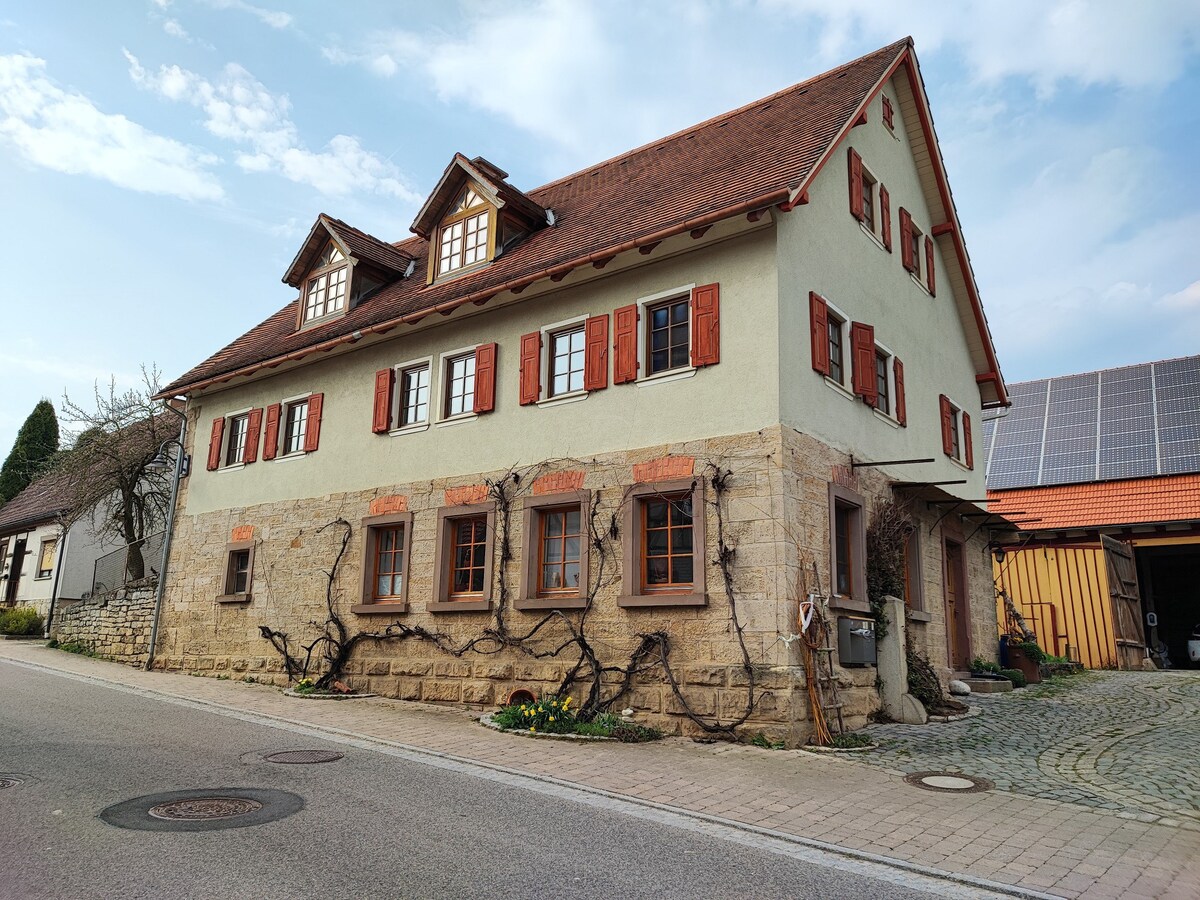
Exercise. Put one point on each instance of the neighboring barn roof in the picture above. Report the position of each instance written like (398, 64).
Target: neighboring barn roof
(1128, 422)
(761, 155)
(1137, 501)
(43, 501)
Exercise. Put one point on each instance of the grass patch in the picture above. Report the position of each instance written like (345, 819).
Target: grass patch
(761, 740)
(79, 647)
(1056, 686)
(851, 740)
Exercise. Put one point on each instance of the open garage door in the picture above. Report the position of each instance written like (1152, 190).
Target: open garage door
(1126, 603)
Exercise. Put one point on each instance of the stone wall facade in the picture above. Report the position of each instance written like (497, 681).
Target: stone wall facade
(114, 626)
(774, 513)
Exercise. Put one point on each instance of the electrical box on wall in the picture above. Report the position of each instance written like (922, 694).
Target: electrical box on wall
(856, 641)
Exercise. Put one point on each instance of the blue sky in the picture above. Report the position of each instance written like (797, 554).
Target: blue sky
(161, 160)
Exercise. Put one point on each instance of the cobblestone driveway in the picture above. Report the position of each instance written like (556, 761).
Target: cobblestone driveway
(1124, 741)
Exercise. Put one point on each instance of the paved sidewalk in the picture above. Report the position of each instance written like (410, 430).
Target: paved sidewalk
(1031, 843)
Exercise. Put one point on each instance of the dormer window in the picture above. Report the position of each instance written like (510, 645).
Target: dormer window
(464, 237)
(325, 292)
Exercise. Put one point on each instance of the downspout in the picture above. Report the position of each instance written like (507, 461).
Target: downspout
(62, 561)
(170, 528)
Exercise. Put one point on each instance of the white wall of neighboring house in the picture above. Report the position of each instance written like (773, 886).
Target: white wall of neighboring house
(84, 546)
(33, 589)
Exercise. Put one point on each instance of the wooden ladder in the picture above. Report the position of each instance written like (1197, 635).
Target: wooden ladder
(827, 685)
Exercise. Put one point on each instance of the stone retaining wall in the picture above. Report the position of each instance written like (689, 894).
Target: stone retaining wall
(115, 626)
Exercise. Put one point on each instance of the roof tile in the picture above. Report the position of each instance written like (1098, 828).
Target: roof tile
(1137, 501)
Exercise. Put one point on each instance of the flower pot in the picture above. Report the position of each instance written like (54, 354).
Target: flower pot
(1018, 660)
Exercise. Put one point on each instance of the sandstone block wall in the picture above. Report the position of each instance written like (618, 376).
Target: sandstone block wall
(115, 626)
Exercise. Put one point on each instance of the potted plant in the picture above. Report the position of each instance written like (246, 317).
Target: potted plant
(1027, 657)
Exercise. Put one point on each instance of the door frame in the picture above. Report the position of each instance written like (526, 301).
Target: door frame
(15, 570)
(960, 623)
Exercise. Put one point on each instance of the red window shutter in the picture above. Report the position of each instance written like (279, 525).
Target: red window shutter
(253, 428)
(862, 340)
(947, 425)
(706, 325)
(885, 217)
(898, 377)
(531, 367)
(485, 378)
(312, 433)
(856, 191)
(214, 444)
(968, 450)
(381, 421)
(818, 317)
(908, 254)
(271, 436)
(929, 276)
(625, 356)
(595, 354)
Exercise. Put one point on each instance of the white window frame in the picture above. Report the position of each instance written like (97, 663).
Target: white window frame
(398, 398)
(227, 433)
(548, 332)
(444, 420)
(351, 262)
(643, 304)
(877, 234)
(890, 369)
(841, 386)
(281, 436)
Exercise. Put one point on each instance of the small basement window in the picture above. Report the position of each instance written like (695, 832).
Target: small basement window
(239, 572)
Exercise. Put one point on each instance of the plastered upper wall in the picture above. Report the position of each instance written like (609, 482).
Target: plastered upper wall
(738, 395)
(823, 248)
(31, 590)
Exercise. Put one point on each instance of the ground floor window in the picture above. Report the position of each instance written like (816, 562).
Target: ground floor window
(847, 548)
(664, 545)
(464, 558)
(239, 572)
(386, 545)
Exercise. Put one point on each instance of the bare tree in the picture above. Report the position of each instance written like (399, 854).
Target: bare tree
(108, 466)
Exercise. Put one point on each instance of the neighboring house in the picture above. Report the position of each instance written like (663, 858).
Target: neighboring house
(40, 560)
(518, 412)
(1104, 468)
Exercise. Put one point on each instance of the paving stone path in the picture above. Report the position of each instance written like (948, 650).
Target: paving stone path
(1122, 741)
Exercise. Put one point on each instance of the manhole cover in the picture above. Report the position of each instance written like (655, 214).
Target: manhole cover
(7, 781)
(209, 809)
(948, 782)
(303, 757)
(205, 808)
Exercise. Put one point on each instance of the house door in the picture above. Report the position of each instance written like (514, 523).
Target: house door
(1126, 603)
(958, 625)
(14, 572)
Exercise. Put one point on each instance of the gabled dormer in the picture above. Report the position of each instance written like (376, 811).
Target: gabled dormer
(472, 217)
(339, 266)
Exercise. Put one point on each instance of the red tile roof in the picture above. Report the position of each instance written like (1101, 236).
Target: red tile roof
(1137, 501)
(750, 158)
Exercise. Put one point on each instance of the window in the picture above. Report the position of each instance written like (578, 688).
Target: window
(868, 199)
(387, 540)
(464, 238)
(667, 336)
(326, 290)
(295, 426)
(235, 447)
(888, 114)
(664, 545)
(847, 549)
(837, 343)
(239, 572)
(460, 385)
(414, 395)
(463, 558)
(955, 438)
(915, 243)
(957, 442)
(555, 565)
(914, 597)
(883, 401)
(46, 558)
(566, 361)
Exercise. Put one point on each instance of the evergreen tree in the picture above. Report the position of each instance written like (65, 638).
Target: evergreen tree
(36, 444)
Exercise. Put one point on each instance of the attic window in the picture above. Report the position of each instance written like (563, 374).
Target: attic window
(325, 292)
(465, 235)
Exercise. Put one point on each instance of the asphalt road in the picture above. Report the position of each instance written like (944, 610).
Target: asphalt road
(373, 824)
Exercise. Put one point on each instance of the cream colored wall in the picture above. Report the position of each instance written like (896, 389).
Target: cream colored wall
(33, 591)
(823, 248)
(738, 395)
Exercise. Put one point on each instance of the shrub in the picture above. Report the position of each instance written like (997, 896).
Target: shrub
(1032, 651)
(549, 715)
(1016, 676)
(630, 733)
(923, 681)
(304, 686)
(20, 620)
(979, 664)
(76, 647)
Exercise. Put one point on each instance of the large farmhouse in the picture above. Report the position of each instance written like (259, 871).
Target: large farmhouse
(608, 433)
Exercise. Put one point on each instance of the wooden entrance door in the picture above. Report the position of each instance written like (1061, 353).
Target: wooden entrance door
(14, 572)
(958, 623)
(1126, 603)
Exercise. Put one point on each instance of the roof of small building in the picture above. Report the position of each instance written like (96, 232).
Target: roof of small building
(1136, 501)
(43, 501)
(751, 158)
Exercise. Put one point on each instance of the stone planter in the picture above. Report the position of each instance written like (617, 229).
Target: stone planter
(1018, 660)
(327, 695)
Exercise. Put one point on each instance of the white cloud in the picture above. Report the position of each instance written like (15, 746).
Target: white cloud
(1188, 299)
(240, 109)
(64, 131)
(174, 29)
(271, 17)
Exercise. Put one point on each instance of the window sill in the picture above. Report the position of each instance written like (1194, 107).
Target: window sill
(444, 606)
(288, 457)
(839, 388)
(849, 604)
(916, 279)
(875, 239)
(563, 399)
(886, 418)
(542, 603)
(323, 320)
(232, 468)
(45, 577)
(645, 600)
(919, 615)
(234, 598)
(415, 428)
(458, 420)
(962, 465)
(664, 377)
(380, 608)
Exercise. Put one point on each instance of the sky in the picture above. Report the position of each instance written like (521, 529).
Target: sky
(162, 160)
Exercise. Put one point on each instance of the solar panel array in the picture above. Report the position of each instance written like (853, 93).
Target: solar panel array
(1131, 422)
